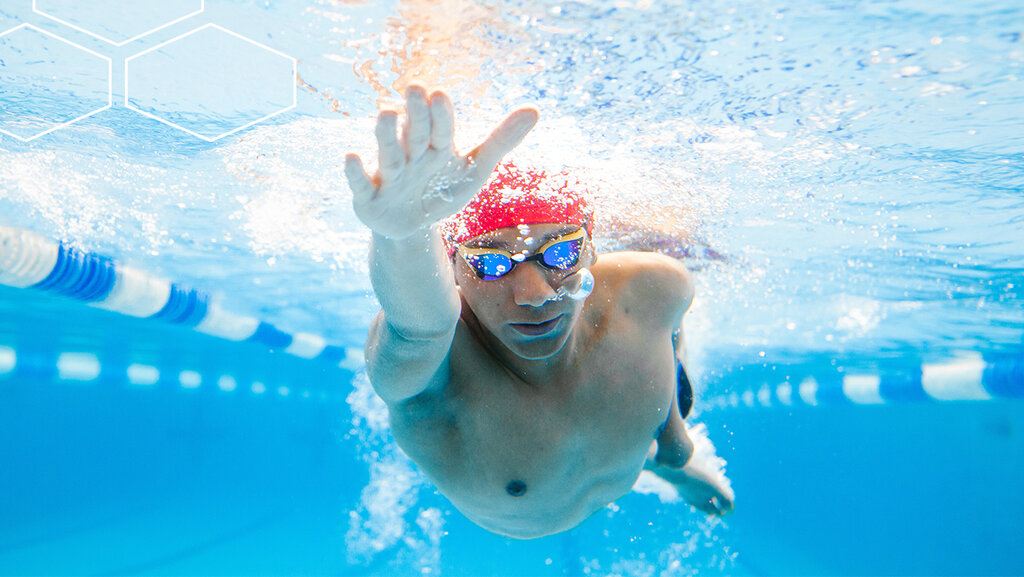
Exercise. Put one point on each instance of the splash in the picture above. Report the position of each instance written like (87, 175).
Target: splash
(700, 551)
(703, 452)
(389, 524)
(294, 196)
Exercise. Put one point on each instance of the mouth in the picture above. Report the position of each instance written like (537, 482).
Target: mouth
(536, 329)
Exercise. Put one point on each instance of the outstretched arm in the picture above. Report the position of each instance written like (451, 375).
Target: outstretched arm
(421, 179)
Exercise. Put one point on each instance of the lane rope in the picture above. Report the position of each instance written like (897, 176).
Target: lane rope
(30, 260)
(967, 377)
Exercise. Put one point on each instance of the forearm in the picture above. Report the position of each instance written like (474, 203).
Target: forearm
(413, 281)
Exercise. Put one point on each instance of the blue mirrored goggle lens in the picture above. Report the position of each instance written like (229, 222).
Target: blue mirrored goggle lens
(490, 266)
(563, 255)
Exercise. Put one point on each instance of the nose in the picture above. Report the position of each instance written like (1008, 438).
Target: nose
(531, 287)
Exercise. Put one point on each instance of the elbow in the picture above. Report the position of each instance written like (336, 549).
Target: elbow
(401, 367)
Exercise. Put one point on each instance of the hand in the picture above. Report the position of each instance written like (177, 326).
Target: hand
(421, 178)
(702, 490)
(697, 483)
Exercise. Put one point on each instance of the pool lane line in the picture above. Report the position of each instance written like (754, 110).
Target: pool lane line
(968, 377)
(78, 368)
(30, 260)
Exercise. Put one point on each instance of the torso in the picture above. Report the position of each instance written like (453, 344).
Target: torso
(526, 461)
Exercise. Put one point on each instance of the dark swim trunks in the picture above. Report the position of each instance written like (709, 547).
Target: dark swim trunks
(684, 392)
(684, 396)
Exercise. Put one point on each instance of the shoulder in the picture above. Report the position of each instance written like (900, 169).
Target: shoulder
(655, 286)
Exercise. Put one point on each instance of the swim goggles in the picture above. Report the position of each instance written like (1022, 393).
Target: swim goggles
(560, 253)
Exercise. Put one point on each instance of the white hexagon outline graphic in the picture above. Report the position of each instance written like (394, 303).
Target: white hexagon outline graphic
(295, 94)
(202, 7)
(110, 82)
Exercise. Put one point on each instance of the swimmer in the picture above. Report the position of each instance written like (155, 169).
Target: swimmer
(530, 381)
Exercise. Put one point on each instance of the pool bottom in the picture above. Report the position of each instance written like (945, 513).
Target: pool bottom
(109, 480)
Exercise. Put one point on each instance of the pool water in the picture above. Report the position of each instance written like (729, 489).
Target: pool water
(844, 177)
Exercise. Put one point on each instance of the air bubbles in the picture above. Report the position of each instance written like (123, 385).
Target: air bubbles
(586, 286)
(455, 174)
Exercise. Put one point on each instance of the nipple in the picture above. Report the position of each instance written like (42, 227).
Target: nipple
(586, 287)
(516, 488)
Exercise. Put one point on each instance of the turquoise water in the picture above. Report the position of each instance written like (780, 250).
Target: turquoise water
(846, 176)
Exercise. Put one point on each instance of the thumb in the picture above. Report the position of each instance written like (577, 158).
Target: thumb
(505, 137)
(358, 181)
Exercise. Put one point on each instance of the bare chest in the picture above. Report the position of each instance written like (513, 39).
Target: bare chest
(569, 445)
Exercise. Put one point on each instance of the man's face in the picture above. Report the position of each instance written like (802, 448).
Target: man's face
(518, 308)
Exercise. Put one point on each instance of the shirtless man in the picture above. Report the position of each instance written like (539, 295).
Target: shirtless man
(529, 404)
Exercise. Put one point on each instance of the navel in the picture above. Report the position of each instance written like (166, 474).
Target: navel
(516, 488)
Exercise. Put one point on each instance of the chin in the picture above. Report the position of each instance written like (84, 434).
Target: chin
(538, 348)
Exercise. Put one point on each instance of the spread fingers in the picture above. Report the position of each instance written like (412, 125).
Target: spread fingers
(442, 122)
(392, 155)
(417, 123)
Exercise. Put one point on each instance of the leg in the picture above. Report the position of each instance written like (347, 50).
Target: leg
(670, 457)
(684, 391)
(674, 446)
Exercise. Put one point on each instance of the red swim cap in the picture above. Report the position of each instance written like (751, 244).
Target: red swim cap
(513, 197)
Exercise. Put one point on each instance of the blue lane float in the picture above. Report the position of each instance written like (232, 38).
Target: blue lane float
(30, 260)
(968, 377)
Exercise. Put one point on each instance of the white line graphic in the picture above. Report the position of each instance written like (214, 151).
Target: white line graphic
(202, 7)
(110, 82)
(127, 76)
